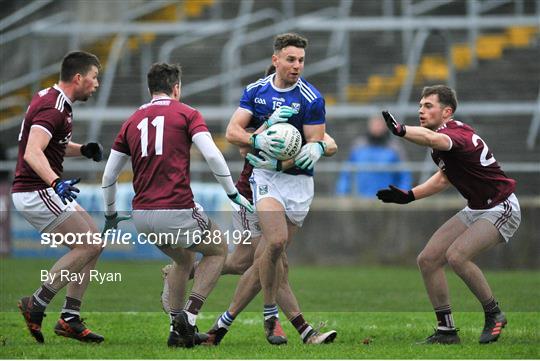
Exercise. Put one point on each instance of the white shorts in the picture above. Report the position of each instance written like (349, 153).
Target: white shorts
(505, 216)
(243, 220)
(294, 192)
(43, 209)
(172, 227)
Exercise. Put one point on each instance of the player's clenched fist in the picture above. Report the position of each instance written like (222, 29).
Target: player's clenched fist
(92, 151)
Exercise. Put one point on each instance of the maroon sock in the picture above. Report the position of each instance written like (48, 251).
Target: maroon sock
(194, 303)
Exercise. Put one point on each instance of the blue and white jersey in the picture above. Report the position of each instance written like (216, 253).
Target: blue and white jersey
(261, 98)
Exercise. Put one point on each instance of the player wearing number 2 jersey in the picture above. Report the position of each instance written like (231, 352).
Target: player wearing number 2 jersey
(492, 214)
(158, 138)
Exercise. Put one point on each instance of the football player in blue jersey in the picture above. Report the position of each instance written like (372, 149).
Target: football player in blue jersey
(241, 261)
(282, 191)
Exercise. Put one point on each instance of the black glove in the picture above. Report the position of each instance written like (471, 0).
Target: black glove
(92, 151)
(395, 127)
(65, 188)
(395, 195)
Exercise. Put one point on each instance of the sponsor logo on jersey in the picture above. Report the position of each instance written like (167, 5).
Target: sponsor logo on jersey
(441, 164)
(260, 101)
(278, 99)
(66, 139)
(296, 106)
(263, 189)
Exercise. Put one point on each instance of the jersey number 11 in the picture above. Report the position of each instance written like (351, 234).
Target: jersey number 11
(158, 123)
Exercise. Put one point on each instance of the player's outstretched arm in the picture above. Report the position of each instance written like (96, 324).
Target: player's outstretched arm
(416, 134)
(435, 184)
(218, 166)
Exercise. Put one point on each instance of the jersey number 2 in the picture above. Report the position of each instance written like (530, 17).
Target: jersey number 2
(485, 162)
(158, 123)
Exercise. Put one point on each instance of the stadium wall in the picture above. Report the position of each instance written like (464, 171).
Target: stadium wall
(336, 231)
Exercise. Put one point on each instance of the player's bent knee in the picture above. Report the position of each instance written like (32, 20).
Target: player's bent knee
(455, 259)
(276, 249)
(428, 261)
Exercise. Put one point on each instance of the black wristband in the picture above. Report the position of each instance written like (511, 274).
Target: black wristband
(232, 196)
(54, 182)
(279, 165)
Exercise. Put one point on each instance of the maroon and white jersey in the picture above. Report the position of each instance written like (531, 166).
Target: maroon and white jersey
(471, 167)
(49, 110)
(158, 139)
(243, 184)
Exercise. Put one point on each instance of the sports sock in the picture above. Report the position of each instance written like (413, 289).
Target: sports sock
(42, 297)
(445, 321)
(193, 306)
(491, 306)
(270, 311)
(172, 315)
(71, 309)
(225, 320)
(301, 325)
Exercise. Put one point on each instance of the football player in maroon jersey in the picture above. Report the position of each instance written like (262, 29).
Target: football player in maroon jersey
(491, 216)
(48, 202)
(157, 138)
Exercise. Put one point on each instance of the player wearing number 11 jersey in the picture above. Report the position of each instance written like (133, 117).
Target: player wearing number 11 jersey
(492, 214)
(158, 138)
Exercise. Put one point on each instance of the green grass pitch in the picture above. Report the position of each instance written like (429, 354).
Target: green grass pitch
(378, 313)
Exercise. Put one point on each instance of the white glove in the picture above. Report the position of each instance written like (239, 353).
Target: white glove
(309, 155)
(280, 115)
(267, 161)
(241, 201)
(269, 142)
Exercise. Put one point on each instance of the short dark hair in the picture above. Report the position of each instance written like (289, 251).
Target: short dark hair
(270, 70)
(77, 62)
(289, 39)
(447, 95)
(162, 77)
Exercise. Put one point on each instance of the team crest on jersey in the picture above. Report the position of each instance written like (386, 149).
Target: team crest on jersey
(263, 189)
(260, 101)
(296, 106)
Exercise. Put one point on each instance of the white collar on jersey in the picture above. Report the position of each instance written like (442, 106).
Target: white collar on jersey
(55, 86)
(161, 97)
(285, 89)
